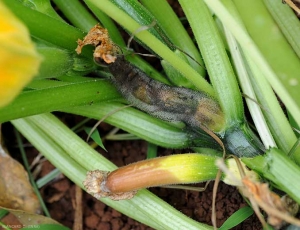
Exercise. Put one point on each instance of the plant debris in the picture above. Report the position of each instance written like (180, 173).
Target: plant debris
(15, 190)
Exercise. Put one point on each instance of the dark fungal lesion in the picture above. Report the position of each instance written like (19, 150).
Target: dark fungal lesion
(165, 102)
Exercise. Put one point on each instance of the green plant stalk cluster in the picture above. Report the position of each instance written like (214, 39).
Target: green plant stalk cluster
(78, 103)
(43, 109)
(74, 159)
(246, 86)
(77, 14)
(247, 140)
(216, 60)
(260, 25)
(223, 79)
(238, 135)
(175, 31)
(67, 40)
(276, 119)
(251, 49)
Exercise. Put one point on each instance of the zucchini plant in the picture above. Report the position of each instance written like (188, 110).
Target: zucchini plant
(248, 46)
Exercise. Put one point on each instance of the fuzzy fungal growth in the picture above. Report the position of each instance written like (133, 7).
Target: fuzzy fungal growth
(168, 103)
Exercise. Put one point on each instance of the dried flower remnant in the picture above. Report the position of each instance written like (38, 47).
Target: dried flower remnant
(260, 196)
(105, 48)
(95, 184)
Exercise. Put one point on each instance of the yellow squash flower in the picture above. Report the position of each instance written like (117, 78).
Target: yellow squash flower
(19, 61)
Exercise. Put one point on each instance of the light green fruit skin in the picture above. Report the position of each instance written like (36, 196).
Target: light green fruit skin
(174, 169)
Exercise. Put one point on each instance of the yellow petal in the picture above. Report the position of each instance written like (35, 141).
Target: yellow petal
(19, 61)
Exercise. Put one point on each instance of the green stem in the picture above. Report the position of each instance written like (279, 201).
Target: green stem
(4, 226)
(277, 121)
(55, 98)
(48, 178)
(248, 46)
(216, 60)
(151, 150)
(143, 17)
(242, 142)
(76, 13)
(175, 31)
(136, 122)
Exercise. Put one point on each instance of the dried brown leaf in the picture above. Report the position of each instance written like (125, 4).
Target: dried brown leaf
(30, 219)
(260, 195)
(15, 190)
